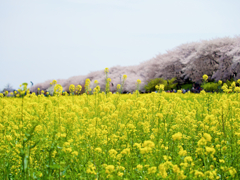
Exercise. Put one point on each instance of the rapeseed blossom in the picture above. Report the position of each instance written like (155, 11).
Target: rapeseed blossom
(207, 137)
(205, 77)
(112, 153)
(72, 88)
(58, 89)
(139, 167)
(106, 70)
(87, 86)
(237, 89)
(79, 89)
(110, 169)
(153, 136)
(139, 81)
(177, 136)
(99, 150)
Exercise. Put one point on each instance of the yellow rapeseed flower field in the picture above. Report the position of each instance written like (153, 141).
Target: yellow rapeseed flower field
(132, 136)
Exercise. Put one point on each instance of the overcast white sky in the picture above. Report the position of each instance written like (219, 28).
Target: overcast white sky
(51, 39)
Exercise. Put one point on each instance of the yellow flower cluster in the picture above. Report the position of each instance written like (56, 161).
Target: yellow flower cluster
(118, 86)
(205, 77)
(79, 89)
(72, 88)
(58, 89)
(87, 86)
(177, 136)
(160, 87)
(53, 82)
(106, 70)
(96, 89)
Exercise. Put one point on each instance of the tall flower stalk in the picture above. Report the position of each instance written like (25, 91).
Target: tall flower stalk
(87, 88)
(119, 88)
(138, 86)
(79, 89)
(108, 86)
(123, 82)
(71, 90)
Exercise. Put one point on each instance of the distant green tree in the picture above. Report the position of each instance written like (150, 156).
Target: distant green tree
(168, 84)
(152, 83)
(187, 86)
(210, 86)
